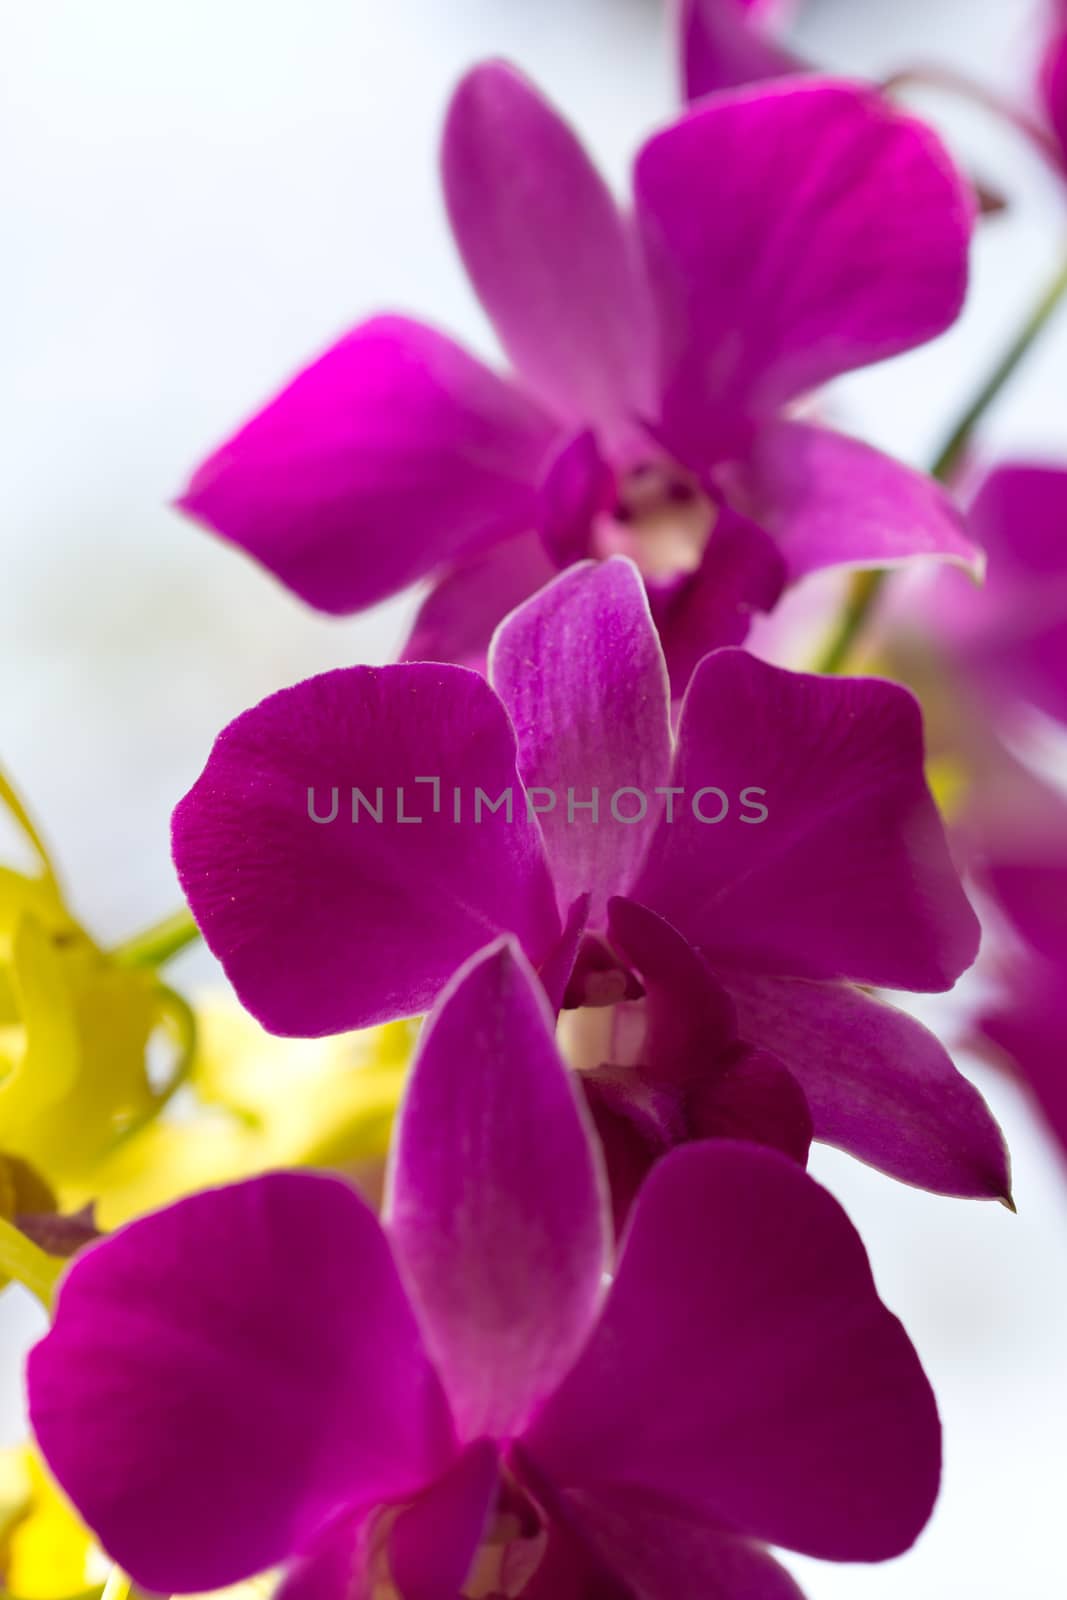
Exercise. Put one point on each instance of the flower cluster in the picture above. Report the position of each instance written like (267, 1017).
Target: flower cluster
(564, 1317)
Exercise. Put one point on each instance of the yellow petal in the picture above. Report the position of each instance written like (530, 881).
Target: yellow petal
(255, 1102)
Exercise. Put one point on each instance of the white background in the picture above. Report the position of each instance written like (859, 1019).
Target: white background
(195, 197)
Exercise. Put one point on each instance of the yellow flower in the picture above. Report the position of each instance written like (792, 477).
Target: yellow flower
(75, 1027)
(253, 1102)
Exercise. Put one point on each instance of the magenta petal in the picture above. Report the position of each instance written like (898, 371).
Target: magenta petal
(746, 1375)
(459, 616)
(753, 1097)
(226, 1376)
(578, 485)
(336, 1567)
(556, 969)
(1029, 1026)
(329, 485)
(1011, 635)
(664, 1553)
(1053, 77)
(742, 572)
(879, 1084)
(433, 1543)
(328, 925)
(726, 43)
(496, 1211)
(630, 1143)
(569, 1571)
(581, 672)
(793, 232)
(547, 250)
(1018, 838)
(691, 1020)
(850, 825)
(833, 501)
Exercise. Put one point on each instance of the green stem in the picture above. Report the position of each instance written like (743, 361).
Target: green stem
(956, 448)
(158, 944)
(862, 596)
(867, 586)
(28, 1264)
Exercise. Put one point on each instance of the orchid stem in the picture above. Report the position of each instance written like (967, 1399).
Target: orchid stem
(867, 586)
(862, 596)
(28, 1264)
(945, 466)
(160, 943)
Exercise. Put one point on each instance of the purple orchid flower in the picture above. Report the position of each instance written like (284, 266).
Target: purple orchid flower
(1007, 641)
(781, 238)
(728, 43)
(1002, 651)
(765, 931)
(1053, 79)
(1014, 836)
(451, 1403)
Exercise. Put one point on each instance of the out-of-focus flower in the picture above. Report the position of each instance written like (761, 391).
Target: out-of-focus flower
(1005, 644)
(254, 1102)
(1015, 836)
(782, 236)
(985, 660)
(727, 43)
(607, 852)
(76, 1029)
(454, 1404)
(1053, 76)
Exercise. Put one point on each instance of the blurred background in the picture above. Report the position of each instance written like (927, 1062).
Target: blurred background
(194, 199)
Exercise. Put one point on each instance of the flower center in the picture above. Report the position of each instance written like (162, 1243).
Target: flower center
(661, 519)
(507, 1558)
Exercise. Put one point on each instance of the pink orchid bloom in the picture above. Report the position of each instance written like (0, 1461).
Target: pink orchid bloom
(355, 838)
(780, 237)
(454, 1402)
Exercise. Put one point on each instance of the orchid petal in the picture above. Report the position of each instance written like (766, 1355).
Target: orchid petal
(879, 1084)
(328, 925)
(581, 672)
(1028, 1025)
(661, 1553)
(547, 251)
(336, 1567)
(742, 572)
(837, 766)
(833, 501)
(244, 1365)
(496, 1210)
(690, 1018)
(793, 232)
(730, 1358)
(1053, 79)
(1011, 635)
(725, 43)
(329, 486)
(433, 1542)
(457, 619)
(753, 1097)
